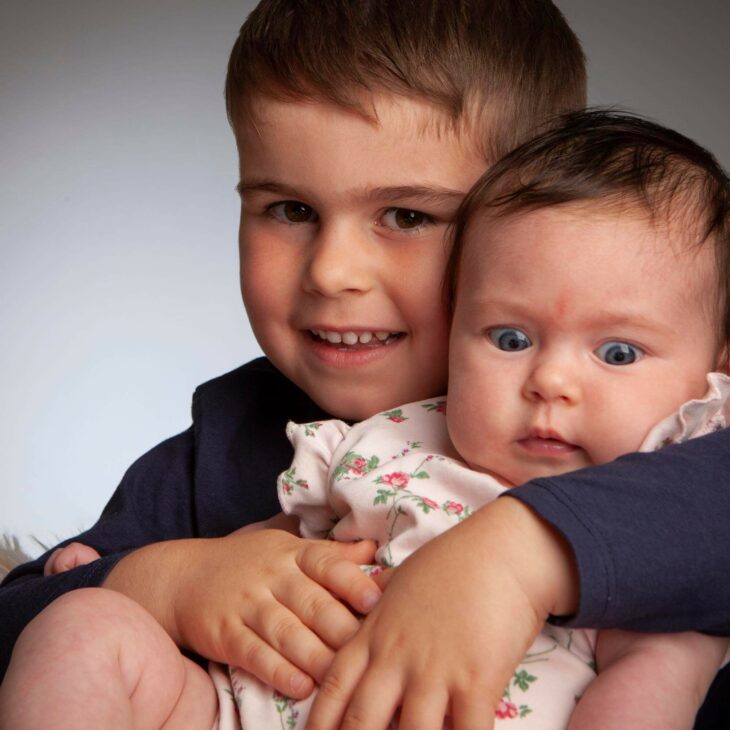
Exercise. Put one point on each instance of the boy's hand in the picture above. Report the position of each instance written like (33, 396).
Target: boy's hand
(455, 620)
(261, 601)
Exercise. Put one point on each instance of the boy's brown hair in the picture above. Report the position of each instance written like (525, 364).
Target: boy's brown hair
(613, 159)
(504, 65)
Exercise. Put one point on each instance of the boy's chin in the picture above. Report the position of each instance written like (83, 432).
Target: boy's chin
(359, 403)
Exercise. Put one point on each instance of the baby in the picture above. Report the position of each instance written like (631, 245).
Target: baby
(588, 287)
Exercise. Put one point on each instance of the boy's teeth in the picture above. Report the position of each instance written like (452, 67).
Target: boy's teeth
(352, 338)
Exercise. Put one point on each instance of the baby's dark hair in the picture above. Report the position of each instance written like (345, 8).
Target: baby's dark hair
(505, 65)
(613, 159)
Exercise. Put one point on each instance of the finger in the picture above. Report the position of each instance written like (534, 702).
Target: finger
(71, 556)
(361, 552)
(284, 632)
(375, 700)
(424, 707)
(51, 567)
(472, 711)
(334, 568)
(251, 653)
(79, 554)
(337, 687)
(325, 615)
(383, 578)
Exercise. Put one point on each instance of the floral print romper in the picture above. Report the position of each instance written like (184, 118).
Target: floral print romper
(395, 478)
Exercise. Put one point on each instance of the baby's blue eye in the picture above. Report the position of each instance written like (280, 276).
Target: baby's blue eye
(509, 339)
(619, 353)
(292, 211)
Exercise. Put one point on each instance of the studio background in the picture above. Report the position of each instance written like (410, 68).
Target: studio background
(118, 217)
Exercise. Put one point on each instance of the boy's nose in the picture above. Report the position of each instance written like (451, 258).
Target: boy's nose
(551, 380)
(339, 260)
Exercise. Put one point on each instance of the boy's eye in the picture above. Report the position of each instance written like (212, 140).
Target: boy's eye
(619, 353)
(291, 211)
(404, 219)
(509, 339)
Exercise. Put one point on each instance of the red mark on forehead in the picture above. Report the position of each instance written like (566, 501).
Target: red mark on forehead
(561, 304)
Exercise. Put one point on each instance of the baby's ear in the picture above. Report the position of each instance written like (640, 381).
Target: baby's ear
(723, 359)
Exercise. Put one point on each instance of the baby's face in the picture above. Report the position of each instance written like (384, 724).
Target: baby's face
(576, 329)
(342, 247)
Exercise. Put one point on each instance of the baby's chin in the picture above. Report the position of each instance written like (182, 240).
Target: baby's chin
(499, 477)
(513, 475)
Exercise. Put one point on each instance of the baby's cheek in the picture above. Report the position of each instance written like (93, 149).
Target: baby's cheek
(611, 438)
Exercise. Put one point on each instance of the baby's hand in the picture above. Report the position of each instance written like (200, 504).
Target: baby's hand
(455, 620)
(261, 600)
(71, 556)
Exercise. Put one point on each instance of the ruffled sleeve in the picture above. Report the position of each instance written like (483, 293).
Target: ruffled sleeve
(303, 487)
(695, 417)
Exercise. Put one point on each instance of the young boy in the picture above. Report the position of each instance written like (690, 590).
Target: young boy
(355, 154)
(217, 476)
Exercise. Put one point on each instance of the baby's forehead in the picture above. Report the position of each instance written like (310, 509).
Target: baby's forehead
(589, 240)
(674, 229)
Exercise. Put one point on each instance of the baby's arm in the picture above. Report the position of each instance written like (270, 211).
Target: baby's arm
(649, 681)
(460, 591)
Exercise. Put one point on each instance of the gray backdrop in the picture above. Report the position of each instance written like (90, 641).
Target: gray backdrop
(118, 271)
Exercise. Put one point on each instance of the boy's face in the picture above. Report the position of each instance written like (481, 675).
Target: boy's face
(342, 247)
(576, 330)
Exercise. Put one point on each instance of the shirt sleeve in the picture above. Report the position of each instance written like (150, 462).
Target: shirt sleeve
(153, 502)
(304, 488)
(650, 536)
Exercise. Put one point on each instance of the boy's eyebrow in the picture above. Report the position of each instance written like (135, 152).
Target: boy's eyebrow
(433, 194)
(266, 186)
(426, 193)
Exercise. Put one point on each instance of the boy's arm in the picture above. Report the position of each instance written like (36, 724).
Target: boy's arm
(257, 583)
(76, 554)
(649, 681)
(649, 536)
(625, 526)
(263, 600)
(153, 502)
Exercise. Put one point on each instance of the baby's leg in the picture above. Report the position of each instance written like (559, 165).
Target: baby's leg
(96, 659)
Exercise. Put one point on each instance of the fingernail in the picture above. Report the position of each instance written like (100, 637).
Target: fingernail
(370, 599)
(297, 681)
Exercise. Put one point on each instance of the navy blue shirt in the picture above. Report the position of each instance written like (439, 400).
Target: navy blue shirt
(649, 531)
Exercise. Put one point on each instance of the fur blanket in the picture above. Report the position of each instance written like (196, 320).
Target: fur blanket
(11, 554)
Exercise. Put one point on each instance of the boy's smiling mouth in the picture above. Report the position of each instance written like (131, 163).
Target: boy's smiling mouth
(355, 340)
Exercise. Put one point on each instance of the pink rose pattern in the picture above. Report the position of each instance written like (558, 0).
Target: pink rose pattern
(354, 465)
(394, 490)
(289, 482)
(397, 479)
(396, 415)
